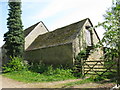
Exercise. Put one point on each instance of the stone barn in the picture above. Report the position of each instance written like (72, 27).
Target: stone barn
(58, 47)
(61, 46)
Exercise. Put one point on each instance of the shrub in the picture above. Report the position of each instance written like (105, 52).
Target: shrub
(15, 64)
(97, 78)
(38, 67)
(58, 71)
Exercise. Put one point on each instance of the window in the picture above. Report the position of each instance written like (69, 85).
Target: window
(88, 38)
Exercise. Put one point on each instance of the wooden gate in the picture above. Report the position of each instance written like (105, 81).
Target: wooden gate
(99, 67)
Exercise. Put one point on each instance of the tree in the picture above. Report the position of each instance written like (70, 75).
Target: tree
(14, 38)
(112, 35)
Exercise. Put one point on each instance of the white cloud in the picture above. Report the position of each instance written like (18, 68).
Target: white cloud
(92, 9)
(57, 6)
(82, 10)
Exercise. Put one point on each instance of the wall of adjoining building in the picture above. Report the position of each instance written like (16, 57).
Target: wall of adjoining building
(38, 30)
(56, 55)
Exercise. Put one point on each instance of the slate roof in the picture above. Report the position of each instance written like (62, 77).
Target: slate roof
(59, 36)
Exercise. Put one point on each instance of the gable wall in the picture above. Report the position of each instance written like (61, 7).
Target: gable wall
(97, 54)
(38, 30)
(94, 36)
(79, 43)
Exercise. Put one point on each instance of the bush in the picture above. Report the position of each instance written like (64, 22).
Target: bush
(49, 70)
(58, 71)
(38, 67)
(15, 64)
(97, 78)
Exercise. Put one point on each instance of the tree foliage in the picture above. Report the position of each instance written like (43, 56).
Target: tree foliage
(111, 37)
(14, 38)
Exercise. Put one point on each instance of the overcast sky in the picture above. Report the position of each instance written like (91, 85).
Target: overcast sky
(56, 13)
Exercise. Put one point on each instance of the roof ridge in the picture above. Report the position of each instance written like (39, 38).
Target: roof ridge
(72, 23)
(59, 36)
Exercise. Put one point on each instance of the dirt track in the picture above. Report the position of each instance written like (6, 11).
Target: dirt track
(9, 83)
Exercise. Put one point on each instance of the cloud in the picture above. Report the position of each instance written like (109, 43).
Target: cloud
(57, 6)
(81, 11)
(54, 7)
(85, 9)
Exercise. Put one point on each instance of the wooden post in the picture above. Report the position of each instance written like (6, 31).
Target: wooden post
(82, 66)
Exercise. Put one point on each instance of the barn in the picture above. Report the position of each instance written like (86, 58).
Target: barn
(61, 46)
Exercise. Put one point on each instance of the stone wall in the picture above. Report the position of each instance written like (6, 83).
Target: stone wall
(56, 55)
(79, 43)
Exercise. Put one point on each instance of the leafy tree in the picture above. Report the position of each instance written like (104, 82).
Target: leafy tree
(14, 38)
(112, 35)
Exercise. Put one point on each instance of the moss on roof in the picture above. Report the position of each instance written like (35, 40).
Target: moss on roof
(59, 36)
(29, 29)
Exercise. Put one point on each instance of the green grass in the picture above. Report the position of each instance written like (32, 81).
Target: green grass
(83, 81)
(78, 82)
(36, 72)
(28, 76)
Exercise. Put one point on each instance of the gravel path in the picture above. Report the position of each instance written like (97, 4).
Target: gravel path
(9, 83)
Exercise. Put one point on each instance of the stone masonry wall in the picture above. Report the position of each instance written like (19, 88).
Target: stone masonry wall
(56, 55)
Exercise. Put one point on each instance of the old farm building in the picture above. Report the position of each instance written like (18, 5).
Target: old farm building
(61, 46)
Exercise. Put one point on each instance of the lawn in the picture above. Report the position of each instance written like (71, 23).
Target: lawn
(29, 76)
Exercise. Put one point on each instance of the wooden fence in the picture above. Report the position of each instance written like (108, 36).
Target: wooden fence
(99, 67)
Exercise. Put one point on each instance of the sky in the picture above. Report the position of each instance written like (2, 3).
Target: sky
(56, 13)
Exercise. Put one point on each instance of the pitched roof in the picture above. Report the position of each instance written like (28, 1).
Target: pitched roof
(59, 36)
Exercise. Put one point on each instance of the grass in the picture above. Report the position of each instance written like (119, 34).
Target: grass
(88, 80)
(95, 79)
(41, 73)
(35, 72)
(30, 77)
